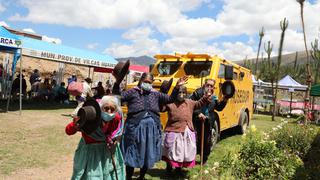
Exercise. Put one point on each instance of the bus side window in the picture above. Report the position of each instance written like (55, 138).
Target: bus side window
(235, 76)
(221, 71)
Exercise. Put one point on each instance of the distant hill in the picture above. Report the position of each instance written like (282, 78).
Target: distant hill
(141, 60)
(287, 59)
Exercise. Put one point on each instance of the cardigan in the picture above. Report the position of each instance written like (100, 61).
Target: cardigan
(180, 114)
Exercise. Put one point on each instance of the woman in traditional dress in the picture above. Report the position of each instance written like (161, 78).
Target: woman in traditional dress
(179, 145)
(141, 141)
(98, 155)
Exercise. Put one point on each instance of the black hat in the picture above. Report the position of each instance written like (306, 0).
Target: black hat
(228, 89)
(165, 86)
(121, 70)
(90, 116)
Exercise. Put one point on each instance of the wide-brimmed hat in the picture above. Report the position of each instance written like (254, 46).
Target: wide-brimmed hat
(121, 70)
(228, 89)
(165, 86)
(90, 116)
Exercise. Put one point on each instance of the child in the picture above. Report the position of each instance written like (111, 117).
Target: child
(179, 146)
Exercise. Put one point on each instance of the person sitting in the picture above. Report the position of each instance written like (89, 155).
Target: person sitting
(16, 86)
(45, 90)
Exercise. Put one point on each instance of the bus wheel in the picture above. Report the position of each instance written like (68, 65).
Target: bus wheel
(215, 135)
(244, 123)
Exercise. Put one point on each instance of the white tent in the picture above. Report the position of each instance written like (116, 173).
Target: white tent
(288, 82)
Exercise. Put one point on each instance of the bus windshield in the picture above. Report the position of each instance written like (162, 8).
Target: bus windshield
(168, 68)
(198, 68)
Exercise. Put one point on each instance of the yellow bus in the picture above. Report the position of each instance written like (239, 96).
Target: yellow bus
(198, 67)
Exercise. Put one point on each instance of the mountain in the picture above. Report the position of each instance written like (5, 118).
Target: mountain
(287, 59)
(141, 60)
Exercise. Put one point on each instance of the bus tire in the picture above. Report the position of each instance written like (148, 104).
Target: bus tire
(244, 123)
(215, 134)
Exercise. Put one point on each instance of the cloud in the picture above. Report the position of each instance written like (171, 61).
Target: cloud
(29, 30)
(51, 39)
(170, 18)
(2, 23)
(92, 45)
(2, 8)
(141, 44)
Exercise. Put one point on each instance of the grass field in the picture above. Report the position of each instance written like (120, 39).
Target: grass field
(36, 140)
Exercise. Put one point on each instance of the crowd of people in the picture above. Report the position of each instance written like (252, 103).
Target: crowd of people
(48, 89)
(112, 153)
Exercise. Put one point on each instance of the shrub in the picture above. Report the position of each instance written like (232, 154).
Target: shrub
(295, 139)
(260, 159)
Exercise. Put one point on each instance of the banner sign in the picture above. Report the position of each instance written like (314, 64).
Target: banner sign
(66, 58)
(4, 41)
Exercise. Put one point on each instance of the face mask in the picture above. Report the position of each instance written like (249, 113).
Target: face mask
(181, 98)
(106, 116)
(146, 86)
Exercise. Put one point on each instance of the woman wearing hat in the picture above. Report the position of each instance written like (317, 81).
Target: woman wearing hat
(141, 141)
(98, 155)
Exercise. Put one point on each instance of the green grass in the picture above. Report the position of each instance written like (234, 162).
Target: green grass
(37, 139)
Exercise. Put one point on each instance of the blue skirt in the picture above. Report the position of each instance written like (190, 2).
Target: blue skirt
(141, 142)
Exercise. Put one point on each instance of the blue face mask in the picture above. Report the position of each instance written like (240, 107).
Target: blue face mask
(146, 86)
(107, 117)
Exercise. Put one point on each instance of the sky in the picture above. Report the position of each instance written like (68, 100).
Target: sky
(125, 28)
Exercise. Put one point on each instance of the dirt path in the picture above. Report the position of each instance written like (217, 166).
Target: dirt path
(29, 124)
(62, 170)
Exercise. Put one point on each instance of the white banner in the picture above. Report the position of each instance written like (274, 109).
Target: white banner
(4, 41)
(66, 59)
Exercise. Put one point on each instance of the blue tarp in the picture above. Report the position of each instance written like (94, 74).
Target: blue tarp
(10, 42)
(34, 44)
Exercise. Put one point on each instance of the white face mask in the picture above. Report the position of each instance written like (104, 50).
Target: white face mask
(146, 86)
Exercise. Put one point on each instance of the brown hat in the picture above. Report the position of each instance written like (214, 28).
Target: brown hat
(90, 116)
(165, 86)
(121, 70)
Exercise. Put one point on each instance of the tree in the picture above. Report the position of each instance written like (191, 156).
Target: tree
(261, 34)
(284, 25)
(315, 54)
(306, 98)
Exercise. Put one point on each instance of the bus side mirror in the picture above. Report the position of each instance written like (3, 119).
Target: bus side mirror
(228, 73)
(151, 67)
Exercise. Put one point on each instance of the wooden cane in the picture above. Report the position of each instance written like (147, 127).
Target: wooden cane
(202, 144)
(113, 161)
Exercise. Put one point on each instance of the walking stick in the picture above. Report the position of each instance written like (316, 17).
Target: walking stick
(113, 161)
(202, 144)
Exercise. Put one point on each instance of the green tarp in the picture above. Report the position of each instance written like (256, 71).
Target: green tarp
(315, 90)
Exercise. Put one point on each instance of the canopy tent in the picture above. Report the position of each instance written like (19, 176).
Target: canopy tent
(315, 90)
(10, 43)
(61, 53)
(285, 83)
(289, 82)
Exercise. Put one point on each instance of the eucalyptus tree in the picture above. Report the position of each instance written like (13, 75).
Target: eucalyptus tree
(283, 25)
(306, 98)
(261, 34)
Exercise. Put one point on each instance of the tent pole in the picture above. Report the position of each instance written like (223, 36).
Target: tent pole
(20, 93)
